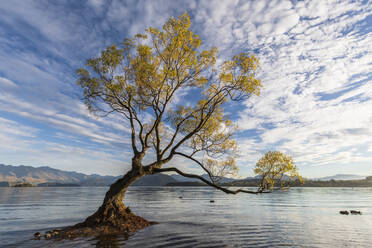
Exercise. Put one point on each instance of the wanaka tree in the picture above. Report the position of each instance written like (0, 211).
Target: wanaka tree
(142, 80)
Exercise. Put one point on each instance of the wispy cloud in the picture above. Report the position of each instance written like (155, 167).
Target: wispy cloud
(4, 82)
(315, 66)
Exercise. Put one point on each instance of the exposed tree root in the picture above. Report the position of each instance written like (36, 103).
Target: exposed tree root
(107, 221)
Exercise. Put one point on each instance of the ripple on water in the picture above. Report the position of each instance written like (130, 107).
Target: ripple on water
(302, 217)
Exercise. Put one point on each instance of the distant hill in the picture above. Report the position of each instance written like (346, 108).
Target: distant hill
(341, 177)
(155, 180)
(46, 176)
(35, 175)
(49, 177)
(180, 178)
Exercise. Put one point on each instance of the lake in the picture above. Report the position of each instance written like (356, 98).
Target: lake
(300, 217)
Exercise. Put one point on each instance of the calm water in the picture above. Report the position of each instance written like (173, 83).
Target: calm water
(301, 217)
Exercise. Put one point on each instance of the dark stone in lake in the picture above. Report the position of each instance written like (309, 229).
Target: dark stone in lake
(355, 212)
(344, 212)
(211, 201)
(37, 235)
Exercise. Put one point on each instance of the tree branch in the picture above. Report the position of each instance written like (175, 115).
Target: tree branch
(198, 162)
(133, 131)
(227, 191)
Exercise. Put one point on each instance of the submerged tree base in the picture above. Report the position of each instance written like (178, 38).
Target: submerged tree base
(103, 222)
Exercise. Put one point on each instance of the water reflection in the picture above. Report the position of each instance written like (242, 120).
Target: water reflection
(112, 241)
(302, 217)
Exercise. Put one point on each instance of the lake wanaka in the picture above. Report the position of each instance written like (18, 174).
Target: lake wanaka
(300, 217)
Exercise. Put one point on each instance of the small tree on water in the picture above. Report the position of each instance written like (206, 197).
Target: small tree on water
(142, 76)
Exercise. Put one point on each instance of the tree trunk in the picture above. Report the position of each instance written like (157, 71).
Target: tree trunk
(112, 217)
(113, 209)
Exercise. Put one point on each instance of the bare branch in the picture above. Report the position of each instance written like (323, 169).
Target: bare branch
(198, 162)
(227, 191)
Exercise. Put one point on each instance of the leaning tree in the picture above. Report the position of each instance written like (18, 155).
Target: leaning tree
(142, 80)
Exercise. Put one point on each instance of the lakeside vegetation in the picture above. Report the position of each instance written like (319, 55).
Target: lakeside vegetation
(367, 182)
(24, 185)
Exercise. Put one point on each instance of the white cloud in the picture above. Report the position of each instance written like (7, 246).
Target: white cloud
(315, 57)
(4, 82)
(11, 128)
(97, 4)
(306, 52)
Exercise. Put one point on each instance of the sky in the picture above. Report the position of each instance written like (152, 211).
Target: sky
(316, 71)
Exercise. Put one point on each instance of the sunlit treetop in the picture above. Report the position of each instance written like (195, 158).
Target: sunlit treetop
(143, 75)
(276, 167)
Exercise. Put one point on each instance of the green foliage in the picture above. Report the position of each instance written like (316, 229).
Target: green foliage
(276, 168)
(144, 74)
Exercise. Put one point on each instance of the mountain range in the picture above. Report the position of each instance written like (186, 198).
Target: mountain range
(47, 176)
(341, 177)
(221, 180)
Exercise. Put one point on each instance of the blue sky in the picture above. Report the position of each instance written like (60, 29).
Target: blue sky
(316, 68)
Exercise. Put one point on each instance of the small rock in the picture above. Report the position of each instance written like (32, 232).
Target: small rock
(344, 212)
(48, 235)
(127, 210)
(355, 212)
(211, 201)
(37, 235)
(180, 197)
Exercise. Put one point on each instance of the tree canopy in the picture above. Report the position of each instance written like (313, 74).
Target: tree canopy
(142, 79)
(274, 167)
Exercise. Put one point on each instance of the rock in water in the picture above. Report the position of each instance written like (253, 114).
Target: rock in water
(355, 212)
(344, 212)
(211, 201)
(37, 235)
